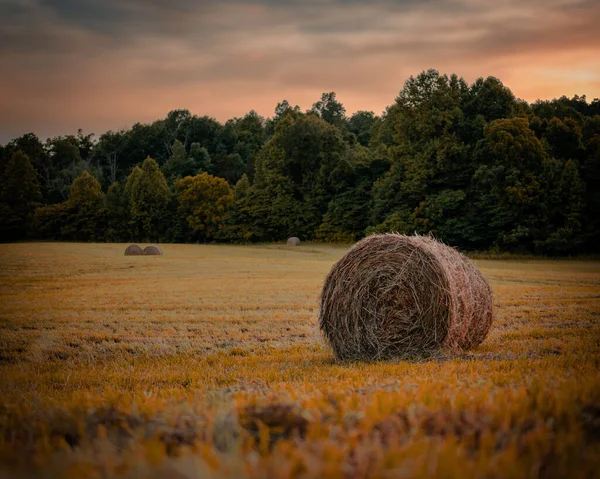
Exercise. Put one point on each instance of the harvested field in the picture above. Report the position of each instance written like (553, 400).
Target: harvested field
(209, 363)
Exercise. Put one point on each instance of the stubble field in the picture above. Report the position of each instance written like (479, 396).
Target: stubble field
(207, 362)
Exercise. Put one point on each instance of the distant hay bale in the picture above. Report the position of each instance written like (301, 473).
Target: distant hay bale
(152, 250)
(403, 296)
(133, 250)
(293, 241)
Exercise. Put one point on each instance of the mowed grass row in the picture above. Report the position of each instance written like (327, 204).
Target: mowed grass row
(207, 361)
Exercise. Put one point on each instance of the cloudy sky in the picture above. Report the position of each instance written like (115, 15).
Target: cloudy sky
(105, 64)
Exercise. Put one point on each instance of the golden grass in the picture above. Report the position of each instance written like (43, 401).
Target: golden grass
(207, 362)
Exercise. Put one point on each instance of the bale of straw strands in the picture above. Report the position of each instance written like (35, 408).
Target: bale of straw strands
(152, 250)
(403, 296)
(133, 250)
(293, 241)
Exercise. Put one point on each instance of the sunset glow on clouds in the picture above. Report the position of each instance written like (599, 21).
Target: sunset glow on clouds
(105, 64)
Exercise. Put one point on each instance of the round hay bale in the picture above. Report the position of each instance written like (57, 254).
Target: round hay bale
(293, 241)
(133, 250)
(152, 250)
(403, 296)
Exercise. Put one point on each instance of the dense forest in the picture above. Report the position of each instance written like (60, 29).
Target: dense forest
(471, 164)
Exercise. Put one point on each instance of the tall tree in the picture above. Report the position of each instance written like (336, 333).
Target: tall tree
(237, 222)
(86, 213)
(31, 145)
(508, 186)
(361, 124)
(489, 99)
(118, 214)
(563, 201)
(347, 212)
(149, 201)
(282, 109)
(590, 173)
(202, 130)
(201, 157)
(109, 151)
(428, 155)
(203, 202)
(19, 196)
(251, 135)
(295, 173)
(564, 139)
(329, 109)
(180, 163)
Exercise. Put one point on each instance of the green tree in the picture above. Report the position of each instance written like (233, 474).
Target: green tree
(251, 135)
(132, 179)
(590, 173)
(202, 130)
(281, 110)
(564, 202)
(49, 221)
(19, 197)
(149, 198)
(203, 202)
(296, 177)
(564, 139)
(489, 99)
(118, 214)
(180, 163)
(347, 212)
(109, 152)
(201, 158)
(86, 212)
(427, 154)
(61, 170)
(237, 223)
(508, 188)
(330, 110)
(31, 145)
(361, 124)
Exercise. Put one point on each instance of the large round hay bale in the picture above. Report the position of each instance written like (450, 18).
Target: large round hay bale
(133, 250)
(403, 296)
(152, 250)
(293, 241)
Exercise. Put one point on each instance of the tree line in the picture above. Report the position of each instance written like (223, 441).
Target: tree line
(471, 164)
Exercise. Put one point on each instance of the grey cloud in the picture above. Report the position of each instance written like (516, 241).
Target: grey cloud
(75, 52)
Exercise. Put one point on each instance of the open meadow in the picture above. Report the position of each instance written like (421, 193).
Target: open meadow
(208, 362)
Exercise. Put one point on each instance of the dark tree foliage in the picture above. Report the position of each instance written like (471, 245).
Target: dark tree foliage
(118, 214)
(81, 218)
(19, 197)
(296, 177)
(470, 164)
(362, 124)
(149, 198)
(329, 109)
(31, 145)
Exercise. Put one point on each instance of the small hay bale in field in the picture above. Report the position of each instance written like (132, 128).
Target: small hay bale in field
(403, 296)
(293, 241)
(133, 250)
(152, 250)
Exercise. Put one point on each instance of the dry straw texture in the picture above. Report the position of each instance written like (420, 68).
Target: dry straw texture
(403, 296)
(134, 250)
(152, 250)
(293, 241)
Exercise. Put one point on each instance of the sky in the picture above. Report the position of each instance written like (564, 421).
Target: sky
(106, 64)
